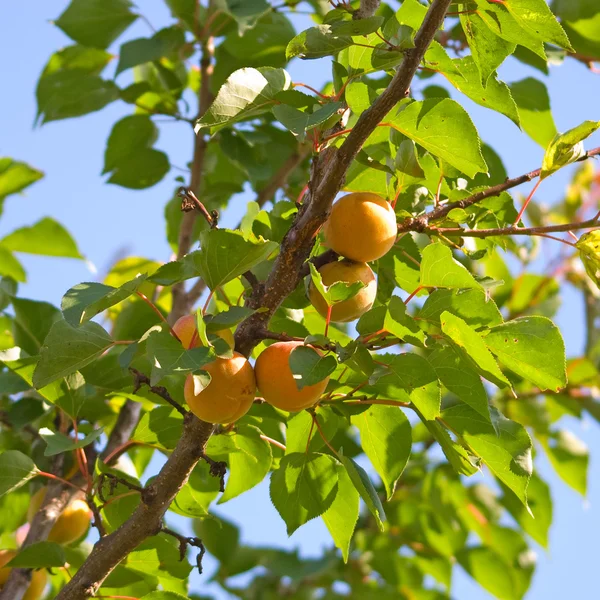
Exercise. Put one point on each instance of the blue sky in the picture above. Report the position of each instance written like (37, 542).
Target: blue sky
(108, 220)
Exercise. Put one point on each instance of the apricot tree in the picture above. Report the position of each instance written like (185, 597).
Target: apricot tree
(387, 348)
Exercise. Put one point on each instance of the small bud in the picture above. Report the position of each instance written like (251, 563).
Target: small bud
(589, 252)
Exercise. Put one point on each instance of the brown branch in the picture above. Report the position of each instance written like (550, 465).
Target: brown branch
(328, 172)
(189, 202)
(420, 223)
(141, 379)
(184, 542)
(126, 422)
(147, 518)
(367, 9)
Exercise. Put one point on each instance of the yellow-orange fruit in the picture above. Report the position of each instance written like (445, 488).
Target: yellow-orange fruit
(38, 578)
(72, 523)
(361, 226)
(230, 393)
(349, 272)
(276, 382)
(185, 328)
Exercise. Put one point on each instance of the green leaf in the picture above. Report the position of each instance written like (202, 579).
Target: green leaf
(250, 465)
(470, 342)
(57, 443)
(440, 269)
(505, 447)
(129, 155)
(460, 378)
(364, 486)
(32, 323)
(164, 596)
(410, 378)
(67, 349)
(82, 58)
(569, 456)
(301, 425)
(533, 103)
(96, 23)
(220, 537)
(462, 462)
(86, 300)
(226, 254)
(495, 94)
(309, 367)
(316, 42)
(160, 427)
(304, 487)
(472, 306)
(443, 127)
(15, 176)
(245, 12)
(567, 148)
(533, 348)
(46, 237)
(341, 517)
(168, 356)
(540, 503)
(487, 49)
(386, 438)
(67, 94)
(10, 266)
(299, 122)
(227, 319)
(337, 292)
(39, 556)
(402, 325)
(143, 50)
(196, 495)
(16, 469)
(246, 94)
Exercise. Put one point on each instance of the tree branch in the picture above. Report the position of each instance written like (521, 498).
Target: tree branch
(328, 173)
(367, 9)
(159, 390)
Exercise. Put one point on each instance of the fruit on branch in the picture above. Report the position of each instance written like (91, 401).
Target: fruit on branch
(361, 226)
(185, 329)
(228, 396)
(276, 381)
(38, 578)
(71, 524)
(589, 251)
(348, 272)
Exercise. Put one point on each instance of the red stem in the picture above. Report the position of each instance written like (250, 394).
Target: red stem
(535, 187)
(421, 287)
(205, 307)
(328, 320)
(57, 478)
(272, 442)
(157, 311)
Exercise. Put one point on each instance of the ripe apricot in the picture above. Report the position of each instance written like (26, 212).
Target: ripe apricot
(185, 328)
(38, 578)
(349, 272)
(276, 382)
(72, 523)
(230, 393)
(361, 226)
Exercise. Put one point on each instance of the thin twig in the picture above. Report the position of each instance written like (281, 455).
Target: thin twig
(141, 379)
(189, 202)
(184, 542)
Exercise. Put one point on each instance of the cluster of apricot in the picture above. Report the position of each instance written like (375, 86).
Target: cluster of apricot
(70, 526)
(361, 228)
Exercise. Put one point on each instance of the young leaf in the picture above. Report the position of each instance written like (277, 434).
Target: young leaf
(309, 367)
(386, 438)
(67, 349)
(533, 348)
(304, 487)
(96, 23)
(362, 483)
(505, 448)
(567, 148)
(86, 300)
(15, 176)
(57, 443)
(246, 94)
(443, 127)
(16, 469)
(467, 339)
(46, 237)
(341, 517)
(39, 556)
(440, 269)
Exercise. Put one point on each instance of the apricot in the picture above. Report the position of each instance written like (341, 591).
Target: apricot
(361, 226)
(276, 381)
(230, 393)
(72, 523)
(38, 578)
(185, 328)
(349, 272)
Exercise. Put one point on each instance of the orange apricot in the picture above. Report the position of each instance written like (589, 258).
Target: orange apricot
(185, 328)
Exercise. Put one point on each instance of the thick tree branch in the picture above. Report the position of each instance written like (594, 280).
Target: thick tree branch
(328, 173)
(147, 519)
(420, 223)
(126, 422)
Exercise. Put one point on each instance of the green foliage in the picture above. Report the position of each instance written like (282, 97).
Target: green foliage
(457, 368)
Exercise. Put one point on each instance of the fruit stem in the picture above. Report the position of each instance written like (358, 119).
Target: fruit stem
(208, 299)
(328, 320)
(157, 311)
(535, 187)
(57, 478)
(273, 442)
(312, 89)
